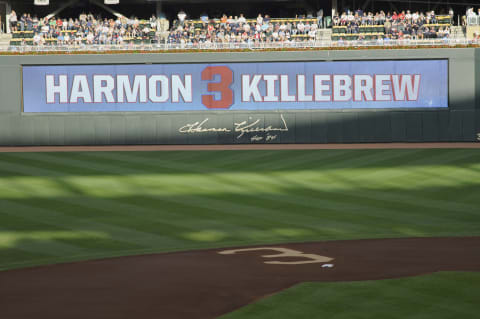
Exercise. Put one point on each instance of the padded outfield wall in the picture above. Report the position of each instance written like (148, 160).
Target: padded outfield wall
(448, 109)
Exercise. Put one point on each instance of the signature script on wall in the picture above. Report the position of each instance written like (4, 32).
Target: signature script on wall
(254, 130)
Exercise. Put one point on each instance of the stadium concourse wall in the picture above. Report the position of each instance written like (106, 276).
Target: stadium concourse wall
(459, 122)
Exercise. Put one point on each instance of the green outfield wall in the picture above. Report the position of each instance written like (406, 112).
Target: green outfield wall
(459, 122)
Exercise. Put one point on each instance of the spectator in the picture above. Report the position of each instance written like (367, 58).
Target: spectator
(320, 18)
(181, 17)
(259, 19)
(242, 19)
(13, 21)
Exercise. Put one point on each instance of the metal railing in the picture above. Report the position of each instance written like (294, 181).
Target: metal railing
(239, 46)
(473, 20)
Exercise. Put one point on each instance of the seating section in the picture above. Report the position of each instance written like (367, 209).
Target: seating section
(242, 30)
(84, 31)
(358, 26)
(348, 26)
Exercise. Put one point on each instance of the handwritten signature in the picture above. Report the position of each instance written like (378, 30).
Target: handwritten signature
(197, 127)
(242, 128)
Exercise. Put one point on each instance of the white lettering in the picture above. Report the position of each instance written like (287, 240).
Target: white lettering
(80, 89)
(380, 88)
(301, 90)
(342, 88)
(284, 92)
(181, 88)
(363, 88)
(60, 89)
(270, 88)
(405, 87)
(153, 88)
(100, 90)
(320, 88)
(250, 88)
(139, 89)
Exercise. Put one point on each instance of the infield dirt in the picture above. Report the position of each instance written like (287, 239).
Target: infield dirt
(207, 284)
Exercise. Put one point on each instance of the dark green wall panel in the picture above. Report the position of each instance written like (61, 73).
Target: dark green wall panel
(366, 126)
(303, 127)
(430, 126)
(414, 126)
(455, 131)
(319, 127)
(468, 125)
(444, 126)
(334, 127)
(117, 130)
(56, 131)
(399, 126)
(383, 127)
(350, 127)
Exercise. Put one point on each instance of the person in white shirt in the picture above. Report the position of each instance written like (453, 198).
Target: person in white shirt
(350, 16)
(307, 27)
(36, 39)
(181, 16)
(408, 16)
(242, 19)
(90, 38)
(45, 29)
(260, 19)
(301, 27)
(13, 21)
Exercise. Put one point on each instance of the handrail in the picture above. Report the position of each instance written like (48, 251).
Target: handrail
(240, 46)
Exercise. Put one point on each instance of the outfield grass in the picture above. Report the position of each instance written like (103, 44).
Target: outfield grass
(436, 296)
(57, 207)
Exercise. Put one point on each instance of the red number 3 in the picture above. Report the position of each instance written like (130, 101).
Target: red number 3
(226, 79)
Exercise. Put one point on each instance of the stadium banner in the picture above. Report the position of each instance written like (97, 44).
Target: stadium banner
(236, 86)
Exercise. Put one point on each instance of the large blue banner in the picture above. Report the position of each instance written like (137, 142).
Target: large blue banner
(236, 86)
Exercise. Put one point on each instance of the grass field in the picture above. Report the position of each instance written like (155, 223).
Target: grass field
(58, 207)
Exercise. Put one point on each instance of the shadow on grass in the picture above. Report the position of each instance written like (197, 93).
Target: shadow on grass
(188, 162)
(52, 229)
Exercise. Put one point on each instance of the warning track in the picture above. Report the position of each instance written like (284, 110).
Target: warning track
(216, 147)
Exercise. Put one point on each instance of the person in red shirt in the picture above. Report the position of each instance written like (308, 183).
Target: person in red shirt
(401, 16)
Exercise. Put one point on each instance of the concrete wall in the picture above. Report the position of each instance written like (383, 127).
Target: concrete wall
(461, 122)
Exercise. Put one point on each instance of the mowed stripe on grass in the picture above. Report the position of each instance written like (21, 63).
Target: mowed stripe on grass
(440, 295)
(57, 207)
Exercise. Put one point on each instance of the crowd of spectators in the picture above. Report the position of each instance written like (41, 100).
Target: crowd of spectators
(471, 18)
(238, 29)
(90, 29)
(86, 29)
(401, 25)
